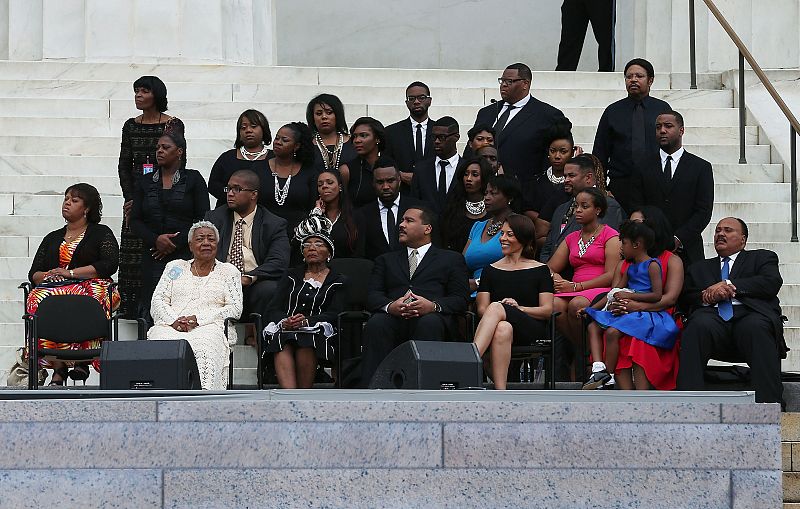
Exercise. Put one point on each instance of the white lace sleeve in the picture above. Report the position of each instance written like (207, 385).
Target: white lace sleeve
(161, 306)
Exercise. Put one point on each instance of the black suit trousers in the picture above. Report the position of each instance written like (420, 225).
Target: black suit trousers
(747, 336)
(384, 332)
(575, 17)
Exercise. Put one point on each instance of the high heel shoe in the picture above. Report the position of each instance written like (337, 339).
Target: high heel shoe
(62, 372)
(79, 373)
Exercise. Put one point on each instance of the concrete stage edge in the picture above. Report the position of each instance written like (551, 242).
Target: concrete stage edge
(332, 448)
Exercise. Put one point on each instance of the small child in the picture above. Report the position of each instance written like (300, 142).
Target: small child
(641, 282)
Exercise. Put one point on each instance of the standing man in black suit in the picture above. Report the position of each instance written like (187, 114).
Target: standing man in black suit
(377, 221)
(434, 176)
(253, 239)
(736, 313)
(521, 124)
(414, 292)
(410, 141)
(624, 141)
(575, 18)
(681, 185)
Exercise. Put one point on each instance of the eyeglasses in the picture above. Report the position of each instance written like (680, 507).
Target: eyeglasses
(420, 98)
(317, 244)
(636, 76)
(236, 189)
(442, 137)
(509, 81)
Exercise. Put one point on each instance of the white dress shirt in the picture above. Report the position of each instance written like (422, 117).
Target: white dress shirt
(449, 170)
(517, 107)
(384, 217)
(414, 125)
(676, 157)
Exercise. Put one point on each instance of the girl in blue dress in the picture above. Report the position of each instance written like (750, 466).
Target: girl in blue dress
(642, 283)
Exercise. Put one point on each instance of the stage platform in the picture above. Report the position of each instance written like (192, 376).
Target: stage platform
(420, 449)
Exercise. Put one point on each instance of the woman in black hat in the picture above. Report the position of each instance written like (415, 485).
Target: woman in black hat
(304, 309)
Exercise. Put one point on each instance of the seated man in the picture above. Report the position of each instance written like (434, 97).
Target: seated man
(254, 240)
(414, 292)
(736, 313)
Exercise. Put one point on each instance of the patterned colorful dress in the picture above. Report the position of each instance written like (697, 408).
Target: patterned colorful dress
(95, 288)
(138, 148)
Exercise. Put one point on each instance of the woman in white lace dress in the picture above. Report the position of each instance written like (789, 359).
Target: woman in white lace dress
(192, 300)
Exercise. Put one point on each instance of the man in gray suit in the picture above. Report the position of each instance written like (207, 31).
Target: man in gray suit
(253, 239)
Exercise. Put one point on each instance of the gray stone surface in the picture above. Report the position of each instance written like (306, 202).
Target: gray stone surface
(768, 413)
(756, 489)
(667, 446)
(457, 489)
(77, 411)
(134, 489)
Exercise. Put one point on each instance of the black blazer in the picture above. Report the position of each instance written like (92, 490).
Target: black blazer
(270, 241)
(400, 144)
(522, 146)
(330, 300)
(687, 199)
(441, 276)
(425, 185)
(371, 241)
(98, 248)
(757, 280)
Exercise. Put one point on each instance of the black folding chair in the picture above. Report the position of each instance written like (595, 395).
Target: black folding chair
(540, 347)
(255, 319)
(358, 272)
(66, 319)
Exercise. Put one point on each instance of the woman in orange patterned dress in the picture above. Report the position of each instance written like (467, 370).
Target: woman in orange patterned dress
(78, 259)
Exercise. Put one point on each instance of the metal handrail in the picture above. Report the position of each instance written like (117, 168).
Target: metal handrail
(744, 54)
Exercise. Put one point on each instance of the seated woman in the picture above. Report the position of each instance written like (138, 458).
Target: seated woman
(478, 137)
(305, 308)
(465, 205)
(192, 300)
(369, 139)
(249, 152)
(641, 365)
(515, 298)
(334, 204)
(592, 253)
(325, 117)
(77, 259)
(165, 205)
(483, 246)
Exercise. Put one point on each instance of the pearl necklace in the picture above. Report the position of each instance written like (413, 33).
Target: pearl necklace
(330, 159)
(476, 208)
(281, 193)
(552, 178)
(252, 156)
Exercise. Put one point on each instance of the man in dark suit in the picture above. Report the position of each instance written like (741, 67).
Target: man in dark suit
(410, 141)
(377, 221)
(578, 175)
(521, 123)
(253, 239)
(736, 313)
(681, 185)
(624, 141)
(433, 177)
(414, 292)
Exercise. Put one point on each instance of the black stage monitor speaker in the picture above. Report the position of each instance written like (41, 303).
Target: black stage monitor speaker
(168, 364)
(430, 365)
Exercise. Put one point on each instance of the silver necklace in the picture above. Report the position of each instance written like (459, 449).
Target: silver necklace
(281, 193)
(476, 208)
(552, 178)
(252, 156)
(330, 159)
(584, 246)
(493, 227)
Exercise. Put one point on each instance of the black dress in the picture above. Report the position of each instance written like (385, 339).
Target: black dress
(344, 247)
(138, 147)
(360, 187)
(300, 198)
(524, 286)
(227, 164)
(320, 304)
(348, 154)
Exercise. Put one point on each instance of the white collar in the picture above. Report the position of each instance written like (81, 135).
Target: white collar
(453, 161)
(414, 123)
(396, 203)
(675, 155)
(421, 250)
(732, 257)
(522, 102)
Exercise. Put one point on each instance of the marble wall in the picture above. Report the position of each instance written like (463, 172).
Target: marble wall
(414, 34)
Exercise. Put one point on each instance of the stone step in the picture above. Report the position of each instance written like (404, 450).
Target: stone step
(735, 173)
(42, 225)
(71, 169)
(48, 204)
(750, 211)
(788, 252)
(759, 231)
(14, 246)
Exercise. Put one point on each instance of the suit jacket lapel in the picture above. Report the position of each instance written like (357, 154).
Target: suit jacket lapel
(426, 260)
(518, 119)
(378, 225)
(255, 234)
(738, 267)
(428, 152)
(408, 137)
(225, 234)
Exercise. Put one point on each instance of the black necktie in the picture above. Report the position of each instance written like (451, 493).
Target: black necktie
(418, 153)
(501, 122)
(668, 168)
(390, 227)
(637, 134)
(443, 179)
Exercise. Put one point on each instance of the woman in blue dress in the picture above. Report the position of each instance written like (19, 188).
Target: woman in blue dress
(641, 282)
(502, 197)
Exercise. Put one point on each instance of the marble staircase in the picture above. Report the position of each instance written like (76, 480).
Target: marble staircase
(60, 123)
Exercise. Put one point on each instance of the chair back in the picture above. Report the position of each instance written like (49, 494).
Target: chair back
(71, 319)
(358, 272)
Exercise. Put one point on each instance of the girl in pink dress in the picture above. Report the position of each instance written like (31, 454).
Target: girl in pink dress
(592, 253)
